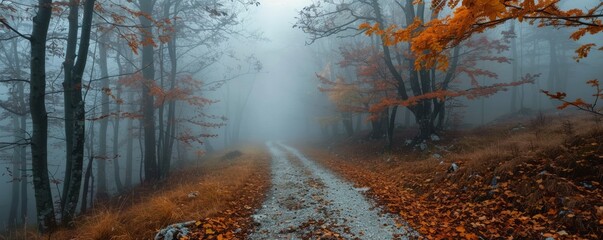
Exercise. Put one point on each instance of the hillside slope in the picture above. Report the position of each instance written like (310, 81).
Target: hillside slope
(537, 179)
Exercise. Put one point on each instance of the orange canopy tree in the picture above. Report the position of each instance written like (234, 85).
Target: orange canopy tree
(424, 89)
(429, 40)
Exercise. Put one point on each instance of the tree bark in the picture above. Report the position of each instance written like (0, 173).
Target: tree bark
(129, 146)
(22, 155)
(14, 202)
(167, 126)
(171, 118)
(75, 107)
(148, 73)
(39, 140)
(88, 178)
(401, 86)
(160, 113)
(116, 122)
(391, 127)
(101, 171)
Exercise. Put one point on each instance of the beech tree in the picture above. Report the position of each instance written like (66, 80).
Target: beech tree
(161, 36)
(75, 106)
(45, 211)
(39, 139)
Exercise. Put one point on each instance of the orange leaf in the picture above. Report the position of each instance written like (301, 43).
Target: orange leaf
(471, 236)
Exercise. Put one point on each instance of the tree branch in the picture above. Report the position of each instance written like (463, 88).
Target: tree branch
(3, 21)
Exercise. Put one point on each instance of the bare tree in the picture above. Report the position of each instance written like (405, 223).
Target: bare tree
(148, 110)
(75, 106)
(39, 140)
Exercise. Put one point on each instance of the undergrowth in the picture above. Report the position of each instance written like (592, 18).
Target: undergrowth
(222, 194)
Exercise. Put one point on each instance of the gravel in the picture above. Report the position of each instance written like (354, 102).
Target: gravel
(308, 201)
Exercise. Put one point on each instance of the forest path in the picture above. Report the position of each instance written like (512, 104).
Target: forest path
(307, 201)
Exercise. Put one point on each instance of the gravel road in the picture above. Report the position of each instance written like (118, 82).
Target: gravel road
(307, 201)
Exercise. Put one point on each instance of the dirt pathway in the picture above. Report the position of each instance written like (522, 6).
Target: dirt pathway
(307, 201)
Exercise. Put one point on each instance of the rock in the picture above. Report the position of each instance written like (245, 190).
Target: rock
(193, 194)
(453, 167)
(494, 181)
(436, 156)
(423, 146)
(519, 127)
(258, 217)
(407, 142)
(175, 231)
(434, 137)
(587, 185)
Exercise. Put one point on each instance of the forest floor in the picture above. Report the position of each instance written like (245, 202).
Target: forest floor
(217, 196)
(527, 178)
(308, 202)
(535, 177)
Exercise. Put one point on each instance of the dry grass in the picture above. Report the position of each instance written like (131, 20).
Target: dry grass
(540, 171)
(139, 214)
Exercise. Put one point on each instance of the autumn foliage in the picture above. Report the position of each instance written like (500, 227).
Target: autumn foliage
(374, 89)
(539, 183)
(185, 93)
(223, 195)
(579, 103)
(430, 39)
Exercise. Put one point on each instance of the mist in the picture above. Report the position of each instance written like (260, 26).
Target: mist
(127, 94)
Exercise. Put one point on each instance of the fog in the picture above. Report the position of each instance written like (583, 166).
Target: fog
(279, 105)
(263, 81)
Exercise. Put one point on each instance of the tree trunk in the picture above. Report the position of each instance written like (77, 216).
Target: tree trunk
(75, 107)
(515, 72)
(348, 124)
(129, 146)
(116, 170)
(161, 125)
(168, 138)
(19, 182)
(22, 155)
(166, 127)
(359, 120)
(401, 87)
(88, 178)
(148, 72)
(101, 171)
(130, 127)
(39, 139)
(553, 68)
(14, 202)
(391, 126)
(379, 125)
